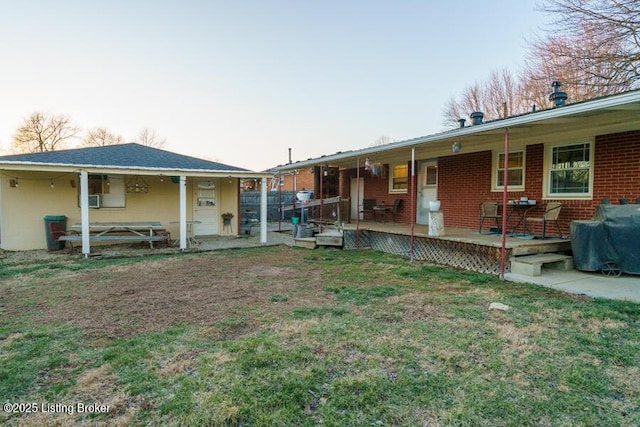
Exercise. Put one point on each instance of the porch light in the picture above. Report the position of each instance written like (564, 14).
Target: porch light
(137, 185)
(51, 184)
(456, 147)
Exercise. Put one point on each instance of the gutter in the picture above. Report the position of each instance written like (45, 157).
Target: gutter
(17, 165)
(498, 124)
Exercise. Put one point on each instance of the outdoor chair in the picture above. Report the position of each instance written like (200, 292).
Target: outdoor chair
(489, 210)
(167, 235)
(56, 230)
(551, 214)
(367, 207)
(393, 211)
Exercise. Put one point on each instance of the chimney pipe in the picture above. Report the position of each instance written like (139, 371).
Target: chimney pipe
(461, 121)
(557, 96)
(289, 155)
(476, 117)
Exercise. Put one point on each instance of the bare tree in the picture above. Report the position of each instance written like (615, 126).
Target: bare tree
(43, 132)
(98, 137)
(150, 138)
(599, 40)
(499, 96)
(382, 140)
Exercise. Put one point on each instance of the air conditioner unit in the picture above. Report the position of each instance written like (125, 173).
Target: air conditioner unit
(94, 201)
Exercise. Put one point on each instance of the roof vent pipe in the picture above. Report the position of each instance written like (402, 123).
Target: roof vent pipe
(476, 117)
(289, 155)
(461, 121)
(557, 96)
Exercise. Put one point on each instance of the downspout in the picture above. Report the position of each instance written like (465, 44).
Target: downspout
(503, 250)
(412, 204)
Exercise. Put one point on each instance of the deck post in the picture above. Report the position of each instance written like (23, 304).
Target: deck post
(503, 251)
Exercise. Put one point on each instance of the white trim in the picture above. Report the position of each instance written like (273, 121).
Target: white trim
(495, 168)
(390, 183)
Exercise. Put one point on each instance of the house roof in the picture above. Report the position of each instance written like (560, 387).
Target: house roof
(119, 156)
(608, 114)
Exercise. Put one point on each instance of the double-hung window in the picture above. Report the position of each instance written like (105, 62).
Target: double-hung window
(399, 178)
(515, 171)
(570, 171)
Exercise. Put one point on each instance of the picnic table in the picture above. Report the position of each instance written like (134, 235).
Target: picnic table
(140, 231)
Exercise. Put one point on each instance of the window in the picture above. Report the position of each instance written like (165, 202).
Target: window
(515, 171)
(110, 188)
(399, 179)
(570, 170)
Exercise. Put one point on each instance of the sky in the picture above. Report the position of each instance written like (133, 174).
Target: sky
(242, 81)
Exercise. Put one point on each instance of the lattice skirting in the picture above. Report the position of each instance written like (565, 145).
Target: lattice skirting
(465, 255)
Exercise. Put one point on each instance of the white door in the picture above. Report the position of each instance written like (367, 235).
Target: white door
(357, 188)
(205, 209)
(427, 189)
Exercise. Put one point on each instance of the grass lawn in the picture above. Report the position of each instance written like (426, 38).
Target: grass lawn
(282, 336)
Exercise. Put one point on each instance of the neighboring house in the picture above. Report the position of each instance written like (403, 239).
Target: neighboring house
(125, 182)
(577, 154)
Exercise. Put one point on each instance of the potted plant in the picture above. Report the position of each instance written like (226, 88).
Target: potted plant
(226, 218)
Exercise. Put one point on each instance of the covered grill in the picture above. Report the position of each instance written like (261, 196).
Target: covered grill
(610, 242)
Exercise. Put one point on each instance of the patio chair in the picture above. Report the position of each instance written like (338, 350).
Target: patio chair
(551, 214)
(489, 210)
(393, 211)
(167, 242)
(367, 207)
(56, 230)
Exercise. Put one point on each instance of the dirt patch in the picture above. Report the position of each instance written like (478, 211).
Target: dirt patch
(221, 290)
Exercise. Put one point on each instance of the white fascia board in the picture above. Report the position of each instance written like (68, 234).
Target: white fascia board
(65, 167)
(600, 104)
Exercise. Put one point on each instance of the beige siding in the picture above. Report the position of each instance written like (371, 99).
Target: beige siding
(23, 208)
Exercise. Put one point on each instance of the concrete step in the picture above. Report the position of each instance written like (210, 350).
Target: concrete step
(531, 265)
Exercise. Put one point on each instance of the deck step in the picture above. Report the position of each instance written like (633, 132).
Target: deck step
(531, 265)
(305, 242)
(329, 238)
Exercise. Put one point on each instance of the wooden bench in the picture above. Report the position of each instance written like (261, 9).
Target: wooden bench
(114, 238)
(531, 265)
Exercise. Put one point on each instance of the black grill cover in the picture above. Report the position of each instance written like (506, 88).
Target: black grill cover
(612, 236)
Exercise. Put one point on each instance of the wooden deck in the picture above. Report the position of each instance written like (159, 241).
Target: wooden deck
(461, 248)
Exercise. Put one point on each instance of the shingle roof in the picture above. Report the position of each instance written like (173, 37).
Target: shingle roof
(130, 155)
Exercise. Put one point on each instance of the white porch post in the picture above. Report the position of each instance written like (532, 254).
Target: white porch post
(84, 212)
(183, 212)
(263, 211)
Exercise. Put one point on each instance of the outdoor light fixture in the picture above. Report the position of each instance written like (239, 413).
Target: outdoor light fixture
(456, 147)
(137, 185)
(51, 184)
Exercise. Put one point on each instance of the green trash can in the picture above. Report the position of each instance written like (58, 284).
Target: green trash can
(52, 244)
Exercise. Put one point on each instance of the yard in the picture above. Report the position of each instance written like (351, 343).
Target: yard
(282, 336)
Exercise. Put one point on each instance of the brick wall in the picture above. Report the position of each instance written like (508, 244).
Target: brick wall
(465, 181)
(304, 179)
